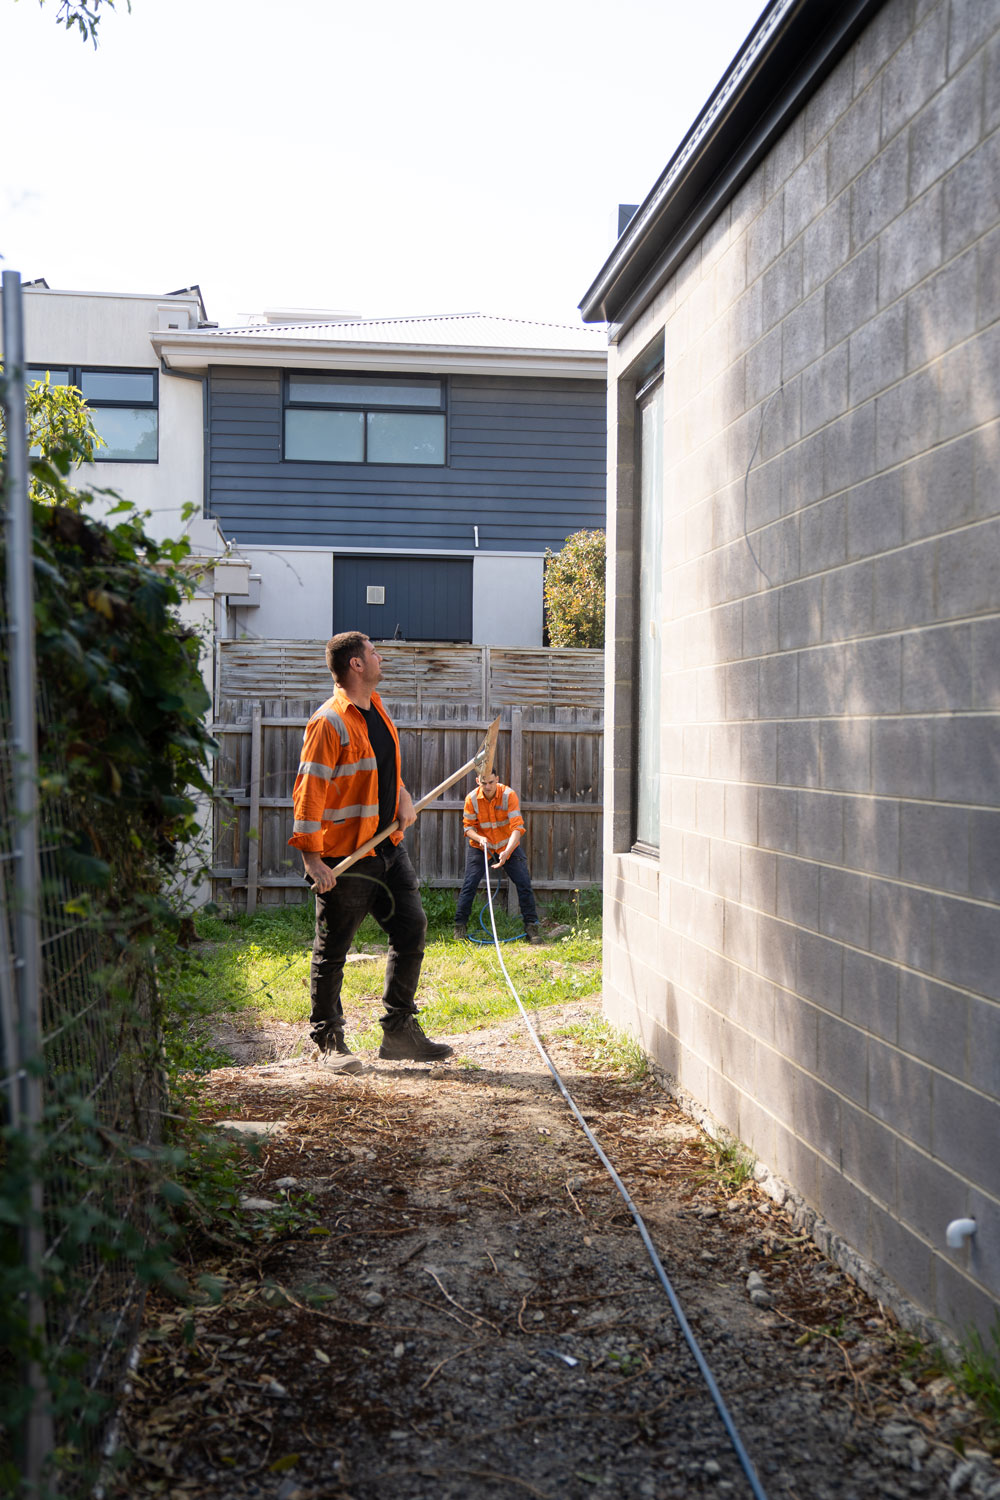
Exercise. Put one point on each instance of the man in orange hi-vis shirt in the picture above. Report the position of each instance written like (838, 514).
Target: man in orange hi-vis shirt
(348, 788)
(493, 823)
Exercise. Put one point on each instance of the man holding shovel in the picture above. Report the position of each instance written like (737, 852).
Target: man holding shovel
(348, 790)
(493, 823)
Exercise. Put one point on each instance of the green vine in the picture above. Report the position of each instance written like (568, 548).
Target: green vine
(125, 744)
(123, 751)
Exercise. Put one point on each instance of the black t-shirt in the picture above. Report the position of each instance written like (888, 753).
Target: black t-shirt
(384, 750)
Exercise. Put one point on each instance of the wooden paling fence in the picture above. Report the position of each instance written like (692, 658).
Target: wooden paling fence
(552, 755)
(417, 675)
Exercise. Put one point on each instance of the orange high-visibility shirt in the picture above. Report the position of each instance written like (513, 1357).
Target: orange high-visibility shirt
(495, 818)
(335, 797)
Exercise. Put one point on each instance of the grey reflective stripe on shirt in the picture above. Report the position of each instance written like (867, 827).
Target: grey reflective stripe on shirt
(349, 767)
(341, 814)
(314, 768)
(301, 826)
(337, 722)
(503, 799)
(327, 773)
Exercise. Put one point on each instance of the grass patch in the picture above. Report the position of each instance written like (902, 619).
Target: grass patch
(254, 966)
(258, 968)
(977, 1374)
(732, 1164)
(581, 910)
(608, 1050)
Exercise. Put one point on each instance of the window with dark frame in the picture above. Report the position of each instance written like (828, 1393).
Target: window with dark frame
(124, 405)
(364, 419)
(648, 614)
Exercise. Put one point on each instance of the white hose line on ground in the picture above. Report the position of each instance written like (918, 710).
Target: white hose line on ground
(678, 1311)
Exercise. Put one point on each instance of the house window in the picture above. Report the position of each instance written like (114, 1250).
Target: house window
(55, 376)
(354, 419)
(123, 405)
(649, 614)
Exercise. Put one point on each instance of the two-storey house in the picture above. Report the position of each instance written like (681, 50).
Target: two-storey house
(400, 475)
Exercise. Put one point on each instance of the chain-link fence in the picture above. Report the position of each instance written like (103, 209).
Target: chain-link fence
(79, 1067)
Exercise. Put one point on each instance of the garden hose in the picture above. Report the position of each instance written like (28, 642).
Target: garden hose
(682, 1322)
(488, 940)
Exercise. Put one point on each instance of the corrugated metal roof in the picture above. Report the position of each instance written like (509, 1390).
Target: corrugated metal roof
(437, 330)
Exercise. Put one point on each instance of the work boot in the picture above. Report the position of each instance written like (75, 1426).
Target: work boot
(340, 1062)
(533, 935)
(460, 935)
(338, 1057)
(407, 1043)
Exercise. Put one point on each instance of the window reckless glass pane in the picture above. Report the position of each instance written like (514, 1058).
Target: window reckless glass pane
(129, 432)
(325, 436)
(405, 438)
(648, 619)
(331, 390)
(117, 385)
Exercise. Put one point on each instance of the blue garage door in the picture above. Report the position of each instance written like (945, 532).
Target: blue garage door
(427, 598)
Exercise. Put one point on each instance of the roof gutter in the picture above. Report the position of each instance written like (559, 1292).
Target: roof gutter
(200, 349)
(791, 50)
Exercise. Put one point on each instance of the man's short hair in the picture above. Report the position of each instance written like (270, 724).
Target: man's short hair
(340, 649)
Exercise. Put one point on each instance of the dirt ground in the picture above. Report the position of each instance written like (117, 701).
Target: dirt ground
(467, 1309)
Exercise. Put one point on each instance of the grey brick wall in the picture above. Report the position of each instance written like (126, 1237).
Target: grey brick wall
(816, 952)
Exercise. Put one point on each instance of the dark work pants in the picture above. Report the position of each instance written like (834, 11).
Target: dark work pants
(385, 885)
(475, 869)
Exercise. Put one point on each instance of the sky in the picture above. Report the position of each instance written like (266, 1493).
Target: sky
(373, 156)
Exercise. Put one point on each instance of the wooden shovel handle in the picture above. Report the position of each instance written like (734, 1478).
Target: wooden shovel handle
(483, 756)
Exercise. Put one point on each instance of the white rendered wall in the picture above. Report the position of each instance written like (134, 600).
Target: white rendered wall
(198, 614)
(296, 595)
(507, 600)
(101, 328)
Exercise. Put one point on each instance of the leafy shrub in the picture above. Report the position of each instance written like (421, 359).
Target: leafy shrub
(61, 432)
(574, 591)
(123, 745)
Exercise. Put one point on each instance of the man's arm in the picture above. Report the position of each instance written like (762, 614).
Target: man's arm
(516, 828)
(320, 874)
(320, 750)
(471, 823)
(406, 813)
(509, 847)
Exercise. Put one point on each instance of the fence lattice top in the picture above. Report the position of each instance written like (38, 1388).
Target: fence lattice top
(416, 674)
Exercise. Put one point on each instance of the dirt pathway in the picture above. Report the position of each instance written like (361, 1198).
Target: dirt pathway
(466, 1310)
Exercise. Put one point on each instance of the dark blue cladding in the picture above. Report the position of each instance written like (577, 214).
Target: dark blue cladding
(526, 463)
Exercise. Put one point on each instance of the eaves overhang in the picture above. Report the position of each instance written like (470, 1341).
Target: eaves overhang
(201, 351)
(793, 47)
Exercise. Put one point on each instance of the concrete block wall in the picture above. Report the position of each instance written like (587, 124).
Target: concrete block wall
(815, 955)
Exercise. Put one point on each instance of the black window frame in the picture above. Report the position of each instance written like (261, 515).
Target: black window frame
(367, 409)
(650, 382)
(37, 371)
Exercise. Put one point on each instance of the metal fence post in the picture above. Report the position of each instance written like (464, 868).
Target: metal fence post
(38, 1436)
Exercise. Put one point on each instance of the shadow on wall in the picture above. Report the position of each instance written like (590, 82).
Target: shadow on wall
(656, 1018)
(839, 798)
